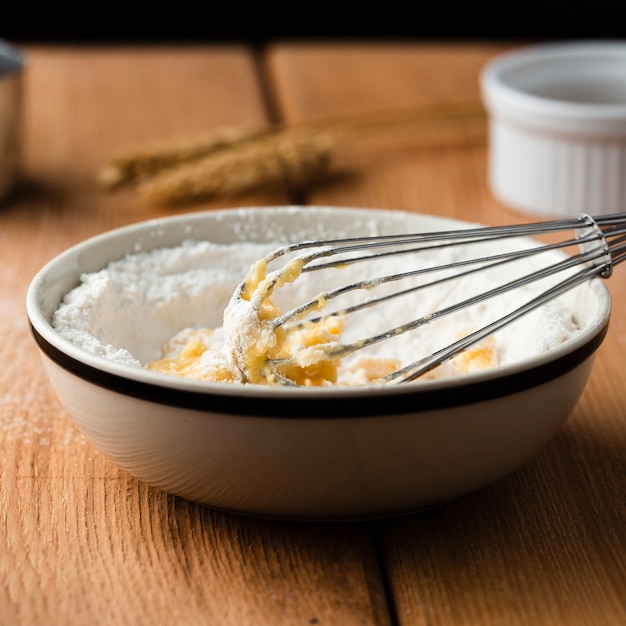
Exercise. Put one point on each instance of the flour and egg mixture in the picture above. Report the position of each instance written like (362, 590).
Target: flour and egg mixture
(172, 311)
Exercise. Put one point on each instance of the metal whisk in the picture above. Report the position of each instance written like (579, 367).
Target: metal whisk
(596, 245)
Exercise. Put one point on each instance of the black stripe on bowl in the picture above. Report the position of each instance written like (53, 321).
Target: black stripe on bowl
(380, 402)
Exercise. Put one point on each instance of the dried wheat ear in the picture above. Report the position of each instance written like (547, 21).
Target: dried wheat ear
(233, 160)
(224, 163)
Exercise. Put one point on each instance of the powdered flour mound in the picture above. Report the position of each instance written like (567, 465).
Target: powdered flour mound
(169, 304)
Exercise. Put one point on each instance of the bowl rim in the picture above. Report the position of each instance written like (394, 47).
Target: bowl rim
(503, 96)
(326, 402)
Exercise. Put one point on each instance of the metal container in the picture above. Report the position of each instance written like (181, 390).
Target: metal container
(11, 94)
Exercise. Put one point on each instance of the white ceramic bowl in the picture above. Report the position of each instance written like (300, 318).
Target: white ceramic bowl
(298, 453)
(557, 113)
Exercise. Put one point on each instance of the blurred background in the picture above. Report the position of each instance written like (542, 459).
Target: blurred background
(260, 23)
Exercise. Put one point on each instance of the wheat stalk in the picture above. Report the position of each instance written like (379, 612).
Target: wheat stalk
(137, 163)
(291, 159)
(233, 160)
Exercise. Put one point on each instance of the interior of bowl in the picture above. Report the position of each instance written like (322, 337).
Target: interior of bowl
(591, 74)
(573, 87)
(590, 302)
(575, 72)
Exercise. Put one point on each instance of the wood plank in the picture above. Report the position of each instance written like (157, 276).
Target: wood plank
(547, 544)
(82, 542)
(394, 171)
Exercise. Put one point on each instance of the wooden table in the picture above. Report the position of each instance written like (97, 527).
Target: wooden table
(84, 543)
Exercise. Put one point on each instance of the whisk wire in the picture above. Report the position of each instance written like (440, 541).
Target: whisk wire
(422, 366)
(527, 279)
(480, 263)
(601, 244)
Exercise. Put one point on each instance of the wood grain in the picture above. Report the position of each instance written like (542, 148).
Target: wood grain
(82, 542)
(546, 545)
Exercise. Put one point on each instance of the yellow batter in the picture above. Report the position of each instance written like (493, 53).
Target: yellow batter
(250, 340)
(254, 340)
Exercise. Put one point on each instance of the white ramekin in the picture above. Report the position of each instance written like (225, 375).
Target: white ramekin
(557, 131)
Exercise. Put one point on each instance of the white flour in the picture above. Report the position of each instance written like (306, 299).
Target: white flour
(131, 309)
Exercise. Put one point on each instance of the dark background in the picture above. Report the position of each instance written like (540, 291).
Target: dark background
(262, 23)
